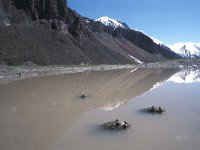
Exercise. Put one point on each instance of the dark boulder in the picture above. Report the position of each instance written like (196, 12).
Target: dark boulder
(116, 125)
(154, 109)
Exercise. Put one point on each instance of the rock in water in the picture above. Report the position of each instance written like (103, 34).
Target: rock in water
(154, 109)
(116, 124)
(84, 96)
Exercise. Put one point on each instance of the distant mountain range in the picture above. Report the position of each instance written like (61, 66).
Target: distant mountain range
(187, 50)
(184, 49)
(49, 32)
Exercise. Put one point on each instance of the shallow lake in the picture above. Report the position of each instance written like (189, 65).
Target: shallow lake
(48, 113)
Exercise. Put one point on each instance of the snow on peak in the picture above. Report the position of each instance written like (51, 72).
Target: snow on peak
(112, 22)
(155, 40)
(187, 50)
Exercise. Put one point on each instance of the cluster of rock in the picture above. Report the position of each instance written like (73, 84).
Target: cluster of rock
(124, 124)
(117, 124)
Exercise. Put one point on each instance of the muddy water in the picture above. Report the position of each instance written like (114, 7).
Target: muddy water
(48, 114)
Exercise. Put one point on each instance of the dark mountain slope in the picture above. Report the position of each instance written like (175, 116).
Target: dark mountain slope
(144, 42)
(47, 32)
(49, 47)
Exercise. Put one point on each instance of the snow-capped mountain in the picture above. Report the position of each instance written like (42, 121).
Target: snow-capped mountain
(187, 50)
(112, 22)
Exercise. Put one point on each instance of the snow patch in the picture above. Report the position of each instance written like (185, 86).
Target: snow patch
(6, 23)
(135, 59)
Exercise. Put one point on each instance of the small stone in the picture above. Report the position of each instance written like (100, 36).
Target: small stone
(19, 75)
(84, 96)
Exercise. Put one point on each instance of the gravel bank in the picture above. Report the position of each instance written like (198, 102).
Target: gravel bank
(10, 73)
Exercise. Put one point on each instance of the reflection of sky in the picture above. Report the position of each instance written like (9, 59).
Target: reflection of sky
(186, 76)
(111, 106)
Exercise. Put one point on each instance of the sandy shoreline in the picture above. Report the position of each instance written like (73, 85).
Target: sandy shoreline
(11, 73)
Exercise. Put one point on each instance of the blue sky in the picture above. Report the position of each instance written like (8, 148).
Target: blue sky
(170, 21)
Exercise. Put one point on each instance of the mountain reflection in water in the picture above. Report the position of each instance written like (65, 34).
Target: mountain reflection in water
(187, 75)
(35, 112)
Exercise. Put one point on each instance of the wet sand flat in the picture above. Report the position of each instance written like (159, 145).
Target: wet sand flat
(47, 113)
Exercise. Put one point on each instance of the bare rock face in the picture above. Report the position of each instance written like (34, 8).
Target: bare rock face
(43, 9)
(58, 25)
(54, 11)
